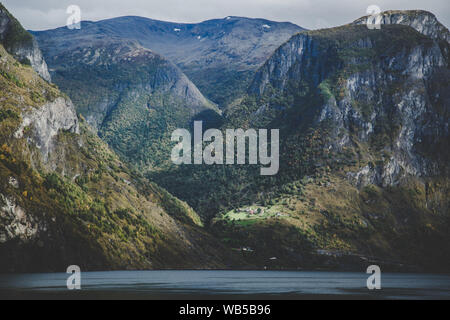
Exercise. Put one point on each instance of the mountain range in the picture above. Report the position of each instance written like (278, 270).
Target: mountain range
(65, 196)
(363, 120)
(121, 75)
(221, 53)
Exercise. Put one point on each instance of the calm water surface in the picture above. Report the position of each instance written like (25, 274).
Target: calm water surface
(225, 285)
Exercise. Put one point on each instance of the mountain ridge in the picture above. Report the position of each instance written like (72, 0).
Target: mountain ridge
(221, 51)
(423, 21)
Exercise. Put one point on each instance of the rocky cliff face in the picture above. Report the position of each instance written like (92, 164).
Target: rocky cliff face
(42, 122)
(47, 122)
(16, 223)
(424, 22)
(21, 44)
(390, 97)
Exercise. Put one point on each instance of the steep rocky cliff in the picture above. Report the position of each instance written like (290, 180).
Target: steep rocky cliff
(46, 122)
(382, 88)
(21, 44)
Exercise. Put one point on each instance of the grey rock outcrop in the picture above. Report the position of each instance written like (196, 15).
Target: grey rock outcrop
(424, 22)
(21, 44)
(46, 122)
(275, 70)
(33, 54)
(15, 222)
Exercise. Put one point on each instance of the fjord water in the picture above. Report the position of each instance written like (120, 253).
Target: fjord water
(224, 285)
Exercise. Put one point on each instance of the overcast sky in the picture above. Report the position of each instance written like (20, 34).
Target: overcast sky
(311, 14)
